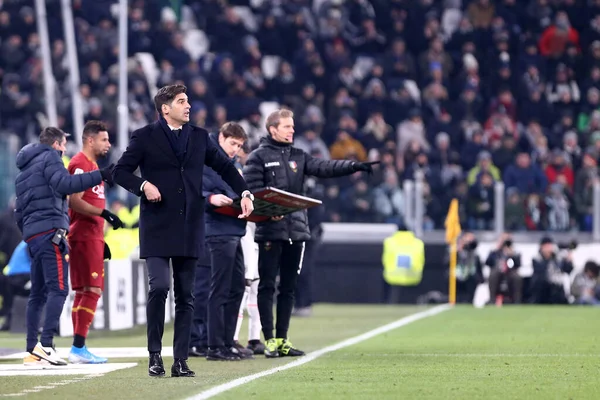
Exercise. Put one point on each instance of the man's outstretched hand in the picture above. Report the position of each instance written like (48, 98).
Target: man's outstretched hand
(365, 167)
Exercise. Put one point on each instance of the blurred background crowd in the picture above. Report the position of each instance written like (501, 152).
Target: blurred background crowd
(467, 92)
(481, 100)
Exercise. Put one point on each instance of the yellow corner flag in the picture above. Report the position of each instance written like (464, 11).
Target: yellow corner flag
(452, 232)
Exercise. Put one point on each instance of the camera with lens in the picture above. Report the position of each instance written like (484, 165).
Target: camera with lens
(572, 245)
(471, 246)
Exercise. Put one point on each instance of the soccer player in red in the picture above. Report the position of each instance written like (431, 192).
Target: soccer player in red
(86, 240)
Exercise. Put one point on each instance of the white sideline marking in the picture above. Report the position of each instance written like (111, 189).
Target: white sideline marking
(318, 353)
(71, 369)
(476, 355)
(88, 371)
(108, 352)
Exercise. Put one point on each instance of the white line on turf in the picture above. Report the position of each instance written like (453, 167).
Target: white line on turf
(474, 355)
(71, 369)
(108, 352)
(88, 371)
(316, 354)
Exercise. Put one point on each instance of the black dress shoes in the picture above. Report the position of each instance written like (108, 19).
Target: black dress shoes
(197, 351)
(181, 369)
(221, 354)
(155, 365)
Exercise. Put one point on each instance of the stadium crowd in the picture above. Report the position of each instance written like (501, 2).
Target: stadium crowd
(468, 92)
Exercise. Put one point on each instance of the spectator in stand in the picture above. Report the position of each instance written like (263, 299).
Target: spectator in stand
(584, 191)
(484, 165)
(525, 176)
(389, 200)
(481, 202)
(556, 37)
(558, 170)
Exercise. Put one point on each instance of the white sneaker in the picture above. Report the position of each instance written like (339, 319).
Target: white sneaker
(48, 353)
(32, 361)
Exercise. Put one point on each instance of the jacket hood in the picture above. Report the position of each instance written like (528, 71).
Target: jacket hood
(30, 152)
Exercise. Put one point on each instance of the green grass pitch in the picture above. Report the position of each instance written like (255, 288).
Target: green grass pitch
(514, 352)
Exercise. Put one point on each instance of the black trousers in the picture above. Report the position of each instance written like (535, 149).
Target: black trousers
(159, 279)
(227, 286)
(514, 281)
(199, 334)
(545, 292)
(304, 287)
(465, 290)
(285, 259)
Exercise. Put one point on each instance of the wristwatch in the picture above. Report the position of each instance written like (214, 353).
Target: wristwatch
(246, 193)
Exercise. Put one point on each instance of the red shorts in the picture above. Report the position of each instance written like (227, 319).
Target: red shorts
(86, 264)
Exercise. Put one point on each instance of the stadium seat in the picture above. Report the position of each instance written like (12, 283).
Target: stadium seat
(150, 70)
(247, 17)
(270, 65)
(188, 19)
(196, 43)
(267, 107)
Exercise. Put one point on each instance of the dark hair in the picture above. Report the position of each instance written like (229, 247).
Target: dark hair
(51, 134)
(592, 267)
(166, 95)
(92, 128)
(234, 130)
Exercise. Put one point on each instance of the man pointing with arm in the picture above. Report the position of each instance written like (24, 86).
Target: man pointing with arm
(171, 155)
(276, 163)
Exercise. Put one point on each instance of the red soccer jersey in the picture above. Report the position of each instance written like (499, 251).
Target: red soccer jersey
(86, 227)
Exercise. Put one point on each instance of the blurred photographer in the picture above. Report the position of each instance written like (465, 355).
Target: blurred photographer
(585, 285)
(549, 269)
(468, 268)
(505, 263)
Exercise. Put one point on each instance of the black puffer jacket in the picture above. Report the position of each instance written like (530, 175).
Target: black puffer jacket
(284, 167)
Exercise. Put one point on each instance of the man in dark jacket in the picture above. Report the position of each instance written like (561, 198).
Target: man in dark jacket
(505, 263)
(549, 272)
(276, 163)
(171, 155)
(223, 236)
(42, 186)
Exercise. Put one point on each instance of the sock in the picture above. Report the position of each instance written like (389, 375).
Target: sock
(85, 314)
(253, 342)
(254, 325)
(238, 326)
(78, 341)
(76, 303)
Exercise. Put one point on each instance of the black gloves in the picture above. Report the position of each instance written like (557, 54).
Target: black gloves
(107, 255)
(107, 174)
(112, 219)
(365, 167)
